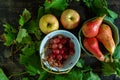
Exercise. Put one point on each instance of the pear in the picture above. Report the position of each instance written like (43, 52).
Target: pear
(91, 44)
(90, 28)
(105, 37)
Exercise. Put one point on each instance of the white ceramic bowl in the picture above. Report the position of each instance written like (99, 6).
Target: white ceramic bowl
(72, 60)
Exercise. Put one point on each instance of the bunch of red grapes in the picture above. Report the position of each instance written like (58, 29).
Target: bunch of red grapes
(61, 47)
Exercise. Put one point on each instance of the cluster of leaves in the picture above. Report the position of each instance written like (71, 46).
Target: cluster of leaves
(113, 67)
(79, 72)
(27, 37)
(100, 7)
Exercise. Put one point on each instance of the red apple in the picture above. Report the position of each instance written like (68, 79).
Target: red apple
(70, 19)
(48, 23)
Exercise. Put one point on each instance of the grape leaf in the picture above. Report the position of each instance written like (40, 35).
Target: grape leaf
(116, 54)
(116, 66)
(28, 50)
(2, 75)
(9, 35)
(101, 6)
(118, 71)
(32, 70)
(21, 34)
(80, 63)
(26, 15)
(55, 6)
(91, 76)
(74, 74)
(112, 13)
(25, 78)
(43, 76)
(26, 40)
(31, 26)
(21, 21)
(38, 34)
(108, 69)
(41, 12)
(23, 59)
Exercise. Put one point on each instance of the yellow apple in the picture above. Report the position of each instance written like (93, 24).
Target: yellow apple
(70, 19)
(48, 23)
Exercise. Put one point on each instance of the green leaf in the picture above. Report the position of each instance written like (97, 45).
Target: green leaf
(37, 45)
(116, 54)
(43, 76)
(9, 34)
(9, 39)
(25, 78)
(32, 70)
(109, 19)
(116, 65)
(32, 26)
(55, 6)
(28, 50)
(9, 28)
(80, 63)
(21, 21)
(38, 34)
(74, 74)
(108, 69)
(87, 3)
(101, 6)
(24, 59)
(21, 34)
(91, 76)
(26, 15)
(32, 63)
(112, 14)
(118, 71)
(26, 40)
(58, 77)
(2, 75)
(41, 12)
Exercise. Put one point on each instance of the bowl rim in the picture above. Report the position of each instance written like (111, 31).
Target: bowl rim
(77, 42)
(107, 21)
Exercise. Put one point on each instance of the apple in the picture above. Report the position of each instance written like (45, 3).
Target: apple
(70, 19)
(48, 23)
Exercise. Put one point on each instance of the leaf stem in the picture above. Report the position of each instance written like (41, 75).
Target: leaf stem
(17, 74)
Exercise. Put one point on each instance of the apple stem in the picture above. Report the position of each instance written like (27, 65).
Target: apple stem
(49, 25)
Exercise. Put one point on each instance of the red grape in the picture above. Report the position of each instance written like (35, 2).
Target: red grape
(61, 51)
(62, 47)
(54, 46)
(65, 56)
(56, 40)
(59, 57)
(56, 51)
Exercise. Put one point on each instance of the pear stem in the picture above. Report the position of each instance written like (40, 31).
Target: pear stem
(111, 59)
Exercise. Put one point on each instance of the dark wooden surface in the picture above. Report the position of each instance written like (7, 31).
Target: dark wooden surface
(10, 11)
